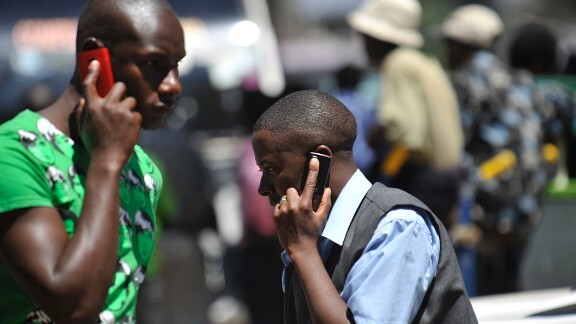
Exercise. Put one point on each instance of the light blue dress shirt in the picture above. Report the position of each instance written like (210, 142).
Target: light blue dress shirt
(388, 283)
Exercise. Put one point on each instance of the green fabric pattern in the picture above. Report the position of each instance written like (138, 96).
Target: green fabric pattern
(42, 167)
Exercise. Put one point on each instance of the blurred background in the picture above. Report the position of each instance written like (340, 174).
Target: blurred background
(213, 263)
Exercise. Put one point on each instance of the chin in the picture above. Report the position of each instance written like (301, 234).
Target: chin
(151, 124)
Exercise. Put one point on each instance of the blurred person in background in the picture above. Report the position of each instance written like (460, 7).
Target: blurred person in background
(259, 265)
(535, 50)
(365, 253)
(77, 217)
(348, 91)
(506, 165)
(39, 95)
(417, 121)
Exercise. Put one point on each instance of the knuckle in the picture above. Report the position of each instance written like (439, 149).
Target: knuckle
(305, 206)
(87, 81)
(137, 117)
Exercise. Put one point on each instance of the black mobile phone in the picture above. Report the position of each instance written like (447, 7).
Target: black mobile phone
(323, 173)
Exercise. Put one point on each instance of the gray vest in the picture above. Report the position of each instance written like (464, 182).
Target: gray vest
(446, 300)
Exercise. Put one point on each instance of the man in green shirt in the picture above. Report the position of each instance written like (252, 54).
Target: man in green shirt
(77, 195)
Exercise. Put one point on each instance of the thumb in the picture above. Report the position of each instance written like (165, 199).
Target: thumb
(79, 112)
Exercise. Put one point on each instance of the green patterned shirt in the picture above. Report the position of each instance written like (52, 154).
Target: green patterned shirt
(42, 167)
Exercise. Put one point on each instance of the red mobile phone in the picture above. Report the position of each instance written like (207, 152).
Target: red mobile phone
(105, 78)
(323, 174)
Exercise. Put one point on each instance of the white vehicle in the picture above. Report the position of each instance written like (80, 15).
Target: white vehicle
(548, 275)
(546, 306)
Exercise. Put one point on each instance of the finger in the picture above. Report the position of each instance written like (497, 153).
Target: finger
(117, 92)
(282, 201)
(130, 102)
(89, 83)
(279, 209)
(137, 117)
(325, 203)
(308, 191)
(116, 95)
(79, 111)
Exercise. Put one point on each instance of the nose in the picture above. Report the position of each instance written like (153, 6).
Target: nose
(170, 85)
(263, 188)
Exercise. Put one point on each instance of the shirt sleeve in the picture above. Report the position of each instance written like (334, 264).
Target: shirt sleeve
(22, 181)
(388, 283)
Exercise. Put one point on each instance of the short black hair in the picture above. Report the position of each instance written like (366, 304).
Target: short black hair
(348, 77)
(535, 48)
(303, 120)
(101, 19)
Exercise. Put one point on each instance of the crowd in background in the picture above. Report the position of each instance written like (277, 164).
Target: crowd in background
(480, 139)
(480, 149)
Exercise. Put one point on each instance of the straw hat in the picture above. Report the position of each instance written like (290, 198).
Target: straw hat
(473, 24)
(394, 21)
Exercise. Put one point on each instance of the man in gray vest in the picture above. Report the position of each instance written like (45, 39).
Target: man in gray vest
(364, 253)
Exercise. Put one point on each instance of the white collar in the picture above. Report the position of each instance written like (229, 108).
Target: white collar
(345, 207)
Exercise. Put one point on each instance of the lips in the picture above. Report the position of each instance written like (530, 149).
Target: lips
(169, 103)
(165, 108)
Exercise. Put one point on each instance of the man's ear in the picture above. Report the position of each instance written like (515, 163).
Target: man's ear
(323, 149)
(91, 43)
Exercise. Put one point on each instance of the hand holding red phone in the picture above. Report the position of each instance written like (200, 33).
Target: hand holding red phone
(108, 125)
(297, 224)
(105, 76)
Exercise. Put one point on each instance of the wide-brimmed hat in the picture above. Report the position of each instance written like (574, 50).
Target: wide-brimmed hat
(394, 21)
(473, 24)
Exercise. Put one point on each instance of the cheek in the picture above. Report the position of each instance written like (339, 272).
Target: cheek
(282, 185)
(291, 180)
(145, 101)
(136, 84)
(139, 89)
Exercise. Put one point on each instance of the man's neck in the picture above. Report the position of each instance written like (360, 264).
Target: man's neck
(337, 183)
(61, 112)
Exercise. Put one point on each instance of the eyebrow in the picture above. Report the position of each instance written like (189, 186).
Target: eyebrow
(261, 162)
(265, 161)
(159, 53)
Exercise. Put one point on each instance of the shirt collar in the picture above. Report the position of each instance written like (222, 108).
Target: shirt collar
(345, 207)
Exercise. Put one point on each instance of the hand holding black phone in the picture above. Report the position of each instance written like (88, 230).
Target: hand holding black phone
(323, 174)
